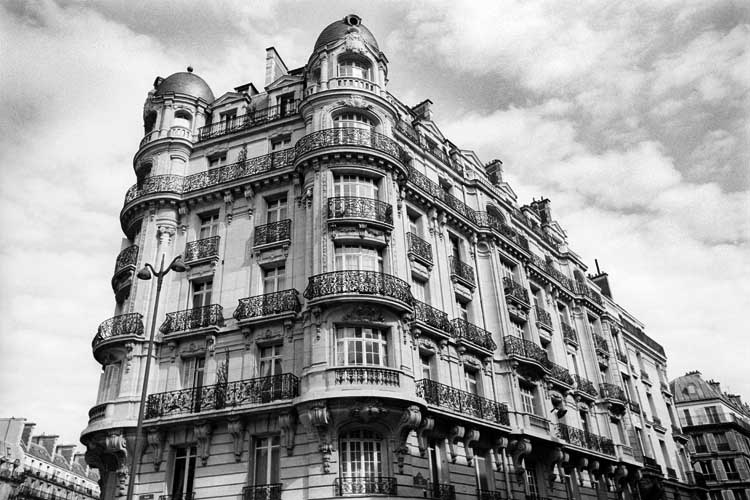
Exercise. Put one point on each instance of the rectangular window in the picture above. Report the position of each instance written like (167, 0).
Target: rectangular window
(472, 381)
(192, 372)
(274, 279)
(202, 294)
(516, 329)
(483, 478)
(528, 399)
(712, 414)
(286, 104)
(665, 453)
(276, 209)
(455, 247)
(110, 382)
(434, 458)
(357, 258)
(731, 469)
(414, 225)
(267, 453)
(280, 143)
(419, 290)
(216, 161)
(700, 443)
(688, 417)
(270, 361)
(355, 185)
(507, 270)
(426, 363)
(209, 225)
(361, 346)
(531, 479)
(183, 472)
(722, 443)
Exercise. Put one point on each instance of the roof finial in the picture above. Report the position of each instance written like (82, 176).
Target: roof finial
(190, 69)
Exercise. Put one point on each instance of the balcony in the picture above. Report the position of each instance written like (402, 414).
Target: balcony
(122, 278)
(198, 318)
(202, 251)
(268, 306)
(650, 465)
(585, 386)
(367, 375)
(462, 402)
(543, 319)
(360, 285)
(356, 210)
(527, 352)
(222, 396)
(515, 293)
(569, 334)
(245, 122)
(419, 249)
(615, 396)
(273, 234)
(665, 388)
(512, 241)
(555, 276)
(593, 298)
(335, 138)
(600, 344)
(719, 418)
(124, 325)
(440, 491)
(621, 357)
(585, 439)
(471, 335)
(561, 375)
(262, 492)
(462, 272)
(435, 193)
(364, 485)
(433, 318)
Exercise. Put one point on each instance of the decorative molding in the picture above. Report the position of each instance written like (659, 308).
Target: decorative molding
(501, 443)
(288, 426)
(518, 449)
(365, 314)
(425, 428)
(202, 431)
(369, 410)
(456, 433)
(156, 438)
(236, 428)
(317, 419)
(554, 458)
(410, 420)
(472, 436)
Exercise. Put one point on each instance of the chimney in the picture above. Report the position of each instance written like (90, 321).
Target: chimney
(602, 280)
(66, 451)
(543, 209)
(275, 67)
(422, 110)
(80, 459)
(47, 442)
(26, 434)
(494, 171)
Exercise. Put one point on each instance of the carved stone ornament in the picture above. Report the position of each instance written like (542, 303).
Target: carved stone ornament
(155, 439)
(456, 434)
(410, 420)
(498, 448)
(423, 433)
(355, 101)
(518, 449)
(317, 419)
(236, 428)
(353, 41)
(364, 313)
(202, 432)
(471, 437)
(228, 203)
(553, 462)
(367, 411)
(288, 426)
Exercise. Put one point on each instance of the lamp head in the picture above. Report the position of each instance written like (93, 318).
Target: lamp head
(178, 265)
(144, 274)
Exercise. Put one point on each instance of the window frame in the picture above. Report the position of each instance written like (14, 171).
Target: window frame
(348, 345)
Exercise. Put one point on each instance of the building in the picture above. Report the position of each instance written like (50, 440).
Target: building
(37, 468)
(718, 425)
(366, 310)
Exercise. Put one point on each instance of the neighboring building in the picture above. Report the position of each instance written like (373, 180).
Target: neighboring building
(718, 425)
(367, 310)
(37, 468)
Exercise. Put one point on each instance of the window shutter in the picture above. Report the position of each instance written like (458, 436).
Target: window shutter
(721, 474)
(742, 468)
(710, 441)
(732, 440)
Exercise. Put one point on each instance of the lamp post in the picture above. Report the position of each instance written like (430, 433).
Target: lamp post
(177, 265)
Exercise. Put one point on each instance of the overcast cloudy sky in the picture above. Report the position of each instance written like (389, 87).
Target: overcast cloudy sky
(632, 117)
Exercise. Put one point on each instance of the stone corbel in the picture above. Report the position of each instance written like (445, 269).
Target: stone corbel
(443, 352)
(228, 205)
(202, 432)
(129, 346)
(288, 426)
(405, 327)
(621, 472)
(116, 446)
(425, 428)
(433, 224)
(236, 428)
(165, 234)
(472, 436)
(553, 462)
(318, 419)
(410, 420)
(247, 335)
(316, 318)
(518, 449)
(593, 468)
(305, 199)
(249, 194)
(182, 213)
(498, 448)
(156, 438)
(581, 466)
(456, 433)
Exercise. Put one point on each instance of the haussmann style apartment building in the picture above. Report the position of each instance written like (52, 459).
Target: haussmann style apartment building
(366, 310)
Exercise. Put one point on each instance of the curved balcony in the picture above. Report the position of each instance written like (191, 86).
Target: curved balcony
(274, 306)
(345, 137)
(585, 387)
(124, 325)
(559, 375)
(122, 278)
(339, 285)
(176, 132)
(434, 319)
(527, 352)
(473, 336)
(157, 184)
(366, 375)
(202, 251)
(357, 210)
(227, 395)
(248, 121)
(273, 234)
(462, 402)
(195, 320)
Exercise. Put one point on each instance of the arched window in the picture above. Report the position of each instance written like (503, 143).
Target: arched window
(355, 67)
(361, 462)
(182, 119)
(353, 119)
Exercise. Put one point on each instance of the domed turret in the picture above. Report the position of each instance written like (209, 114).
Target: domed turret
(339, 29)
(185, 82)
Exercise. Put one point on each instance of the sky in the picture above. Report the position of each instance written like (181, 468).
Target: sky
(632, 117)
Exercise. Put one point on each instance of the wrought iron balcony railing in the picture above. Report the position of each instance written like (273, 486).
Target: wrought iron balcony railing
(612, 391)
(600, 343)
(463, 402)
(719, 418)
(462, 271)
(285, 301)
(206, 248)
(124, 324)
(367, 375)
(262, 492)
(515, 346)
(634, 406)
(460, 207)
(435, 191)
(349, 136)
(354, 207)
(127, 257)
(585, 439)
(178, 184)
(248, 121)
(583, 289)
(432, 316)
(193, 319)
(543, 317)
(223, 395)
(358, 282)
(406, 129)
(561, 374)
(469, 332)
(273, 232)
(364, 485)
(651, 463)
(419, 248)
(515, 292)
(586, 386)
(557, 275)
(569, 333)
(440, 491)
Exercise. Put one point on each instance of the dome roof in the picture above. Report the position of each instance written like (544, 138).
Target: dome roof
(185, 82)
(338, 30)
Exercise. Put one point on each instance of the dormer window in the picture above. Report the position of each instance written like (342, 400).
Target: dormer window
(355, 67)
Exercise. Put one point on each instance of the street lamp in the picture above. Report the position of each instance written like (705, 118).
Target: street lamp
(148, 271)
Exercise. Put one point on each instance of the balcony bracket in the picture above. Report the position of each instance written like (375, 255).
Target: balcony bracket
(423, 433)
(472, 436)
(501, 444)
(317, 419)
(518, 449)
(156, 440)
(288, 426)
(456, 433)
(202, 432)
(236, 428)
(555, 458)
